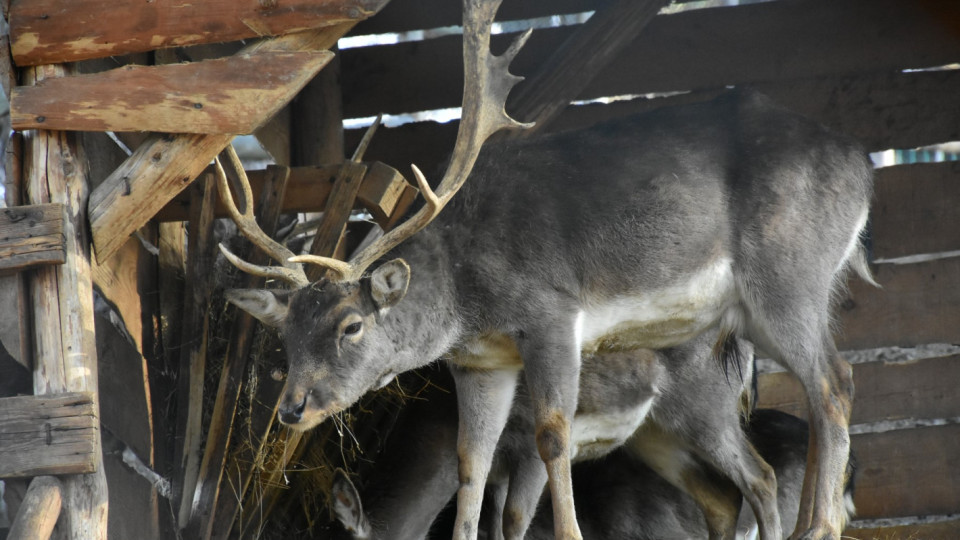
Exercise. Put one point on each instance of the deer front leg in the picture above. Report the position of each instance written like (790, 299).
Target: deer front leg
(551, 362)
(484, 398)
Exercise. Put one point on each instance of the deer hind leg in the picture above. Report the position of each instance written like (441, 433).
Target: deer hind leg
(527, 478)
(800, 341)
(717, 497)
(483, 401)
(551, 362)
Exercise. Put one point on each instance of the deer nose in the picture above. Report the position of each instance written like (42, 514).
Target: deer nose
(292, 413)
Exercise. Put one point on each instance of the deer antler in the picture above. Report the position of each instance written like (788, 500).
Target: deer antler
(487, 82)
(290, 272)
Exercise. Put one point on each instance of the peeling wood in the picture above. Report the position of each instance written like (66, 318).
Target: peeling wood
(50, 434)
(235, 95)
(130, 196)
(31, 236)
(53, 31)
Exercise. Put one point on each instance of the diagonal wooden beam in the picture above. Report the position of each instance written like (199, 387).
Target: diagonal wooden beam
(165, 164)
(54, 31)
(234, 95)
(559, 80)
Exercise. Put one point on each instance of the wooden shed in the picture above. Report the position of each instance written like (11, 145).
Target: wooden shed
(146, 406)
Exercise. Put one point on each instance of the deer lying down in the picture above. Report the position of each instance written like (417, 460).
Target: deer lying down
(688, 409)
(639, 233)
(620, 498)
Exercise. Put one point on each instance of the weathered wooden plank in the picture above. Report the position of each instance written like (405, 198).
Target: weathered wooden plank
(235, 95)
(164, 165)
(49, 434)
(55, 171)
(39, 510)
(915, 211)
(329, 236)
(910, 472)
(700, 49)
(407, 15)
(944, 530)
(203, 509)
(50, 31)
(921, 390)
(919, 303)
(309, 188)
(571, 67)
(900, 110)
(31, 236)
(117, 281)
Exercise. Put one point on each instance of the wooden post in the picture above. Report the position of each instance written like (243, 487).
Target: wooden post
(65, 349)
(39, 510)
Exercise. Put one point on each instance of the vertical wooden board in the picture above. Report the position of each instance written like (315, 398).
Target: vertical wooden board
(916, 210)
(925, 389)
(10, 318)
(910, 472)
(919, 303)
(134, 503)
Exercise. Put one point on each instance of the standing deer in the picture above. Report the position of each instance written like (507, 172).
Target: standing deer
(690, 416)
(643, 232)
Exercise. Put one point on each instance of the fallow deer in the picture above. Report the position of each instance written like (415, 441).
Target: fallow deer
(680, 396)
(642, 232)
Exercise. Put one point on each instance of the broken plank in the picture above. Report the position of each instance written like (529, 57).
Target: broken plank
(31, 236)
(235, 95)
(165, 164)
(309, 187)
(52, 31)
(50, 434)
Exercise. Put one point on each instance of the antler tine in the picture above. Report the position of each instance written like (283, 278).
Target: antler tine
(487, 82)
(291, 273)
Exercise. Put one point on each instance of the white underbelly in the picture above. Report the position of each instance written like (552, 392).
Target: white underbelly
(597, 434)
(658, 318)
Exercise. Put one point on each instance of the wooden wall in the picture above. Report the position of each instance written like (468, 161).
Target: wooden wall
(842, 63)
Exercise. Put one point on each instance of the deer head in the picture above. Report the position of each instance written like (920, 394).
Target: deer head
(334, 330)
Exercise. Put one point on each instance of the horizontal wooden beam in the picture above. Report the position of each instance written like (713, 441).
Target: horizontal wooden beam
(915, 209)
(31, 236)
(942, 530)
(52, 434)
(919, 303)
(52, 31)
(707, 48)
(908, 472)
(236, 94)
(163, 165)
(308, 188)
(921, 390)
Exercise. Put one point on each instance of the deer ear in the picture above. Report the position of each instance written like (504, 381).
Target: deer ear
(269, 307)
(388, 283)
(347, 505)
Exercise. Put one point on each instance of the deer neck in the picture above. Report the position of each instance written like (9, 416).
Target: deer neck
(425, 324)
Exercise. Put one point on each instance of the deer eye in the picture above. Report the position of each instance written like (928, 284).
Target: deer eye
(353, 329)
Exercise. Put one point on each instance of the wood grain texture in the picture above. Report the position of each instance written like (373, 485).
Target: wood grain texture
(707, 48)
(39, 511)
(909, 472)
(945, 530)
(51, 434)
(309, 188)
(235, 95)
(31, 236)
(925, 389)
(50, 31)
(917, 304)
(915, 210)
(165, 164)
